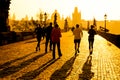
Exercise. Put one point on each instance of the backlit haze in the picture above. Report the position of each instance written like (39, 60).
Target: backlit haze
(88, 8)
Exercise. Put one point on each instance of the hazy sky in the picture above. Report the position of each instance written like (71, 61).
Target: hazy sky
(88, 8)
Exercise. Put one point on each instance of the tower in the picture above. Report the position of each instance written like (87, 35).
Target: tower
(76, 17)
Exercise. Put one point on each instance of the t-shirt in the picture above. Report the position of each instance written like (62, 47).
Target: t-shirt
(38, 31)
(56, 34)
(77, 32)
(91, 33)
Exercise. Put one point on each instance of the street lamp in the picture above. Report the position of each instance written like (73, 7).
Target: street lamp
(55, 19)
(105, 17)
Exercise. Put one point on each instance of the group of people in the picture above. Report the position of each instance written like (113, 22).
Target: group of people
(53, 35)
(78, 34)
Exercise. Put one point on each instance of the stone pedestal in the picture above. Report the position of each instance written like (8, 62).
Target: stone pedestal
(4, 7)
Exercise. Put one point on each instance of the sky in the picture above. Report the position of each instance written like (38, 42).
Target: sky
(89, 8)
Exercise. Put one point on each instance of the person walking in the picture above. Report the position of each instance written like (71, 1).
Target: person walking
(91, 33)
(77, 32)
(48, 37)
(38, 32)
(55, 36)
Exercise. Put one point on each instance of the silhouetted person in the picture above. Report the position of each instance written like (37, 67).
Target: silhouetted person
(38, 32)
(87, 74)
(55, 35)
(72, 29)
(48, 37)
(43, 32)
(77, 32)
(91, 33)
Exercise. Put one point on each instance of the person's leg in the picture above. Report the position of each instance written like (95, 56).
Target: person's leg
(37, 44)
(50, 44)
(46, 44)
(89, 43)
(59, 50)
(89, 40)
(79, 45)
(54, 44)
(92, 42)
(75, 44)
(91, 46)
(39, 40)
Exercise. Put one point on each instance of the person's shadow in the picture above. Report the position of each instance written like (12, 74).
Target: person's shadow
(65, 70)
(34, 73)
(86, 74)
(11, 69)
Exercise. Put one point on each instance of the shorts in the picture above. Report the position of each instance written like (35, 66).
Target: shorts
(77, 40)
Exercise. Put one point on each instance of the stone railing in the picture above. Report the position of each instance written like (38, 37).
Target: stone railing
(11, 37)
(115, 39)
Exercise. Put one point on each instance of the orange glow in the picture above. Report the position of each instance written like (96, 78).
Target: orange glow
(88, 8)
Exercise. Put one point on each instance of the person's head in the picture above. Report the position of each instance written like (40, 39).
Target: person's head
(92, 26)
(77, 25)
(50, 23)
(39, 25)
(56, 25)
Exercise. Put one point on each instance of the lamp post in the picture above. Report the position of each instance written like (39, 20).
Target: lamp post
(105, 17)
(55, 19)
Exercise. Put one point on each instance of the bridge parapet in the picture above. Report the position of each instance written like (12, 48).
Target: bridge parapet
(115, 39)
(11, 37)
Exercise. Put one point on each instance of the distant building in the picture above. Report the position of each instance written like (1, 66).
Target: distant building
(113, 26)
(76, 17)
(58, 18)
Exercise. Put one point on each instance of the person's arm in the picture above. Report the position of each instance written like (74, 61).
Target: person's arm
(95, 32)
(82, 33)
(60, 35)
(35, 30)
(88, 31)
(52, 33)
(74, 32)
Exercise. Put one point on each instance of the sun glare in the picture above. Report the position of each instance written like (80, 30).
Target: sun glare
(88, 8)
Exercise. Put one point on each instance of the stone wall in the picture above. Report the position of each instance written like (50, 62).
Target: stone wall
(115, 39)
(11, 37)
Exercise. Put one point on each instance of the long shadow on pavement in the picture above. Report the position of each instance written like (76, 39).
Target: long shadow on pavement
(31, 41)
(65, 70)
(12, 69)
(87, 74)
(7, 64)
(33, 74)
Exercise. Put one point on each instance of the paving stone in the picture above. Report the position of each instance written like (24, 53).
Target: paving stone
(20, 61)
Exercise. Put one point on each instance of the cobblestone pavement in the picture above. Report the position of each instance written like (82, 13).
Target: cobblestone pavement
(19, 61)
